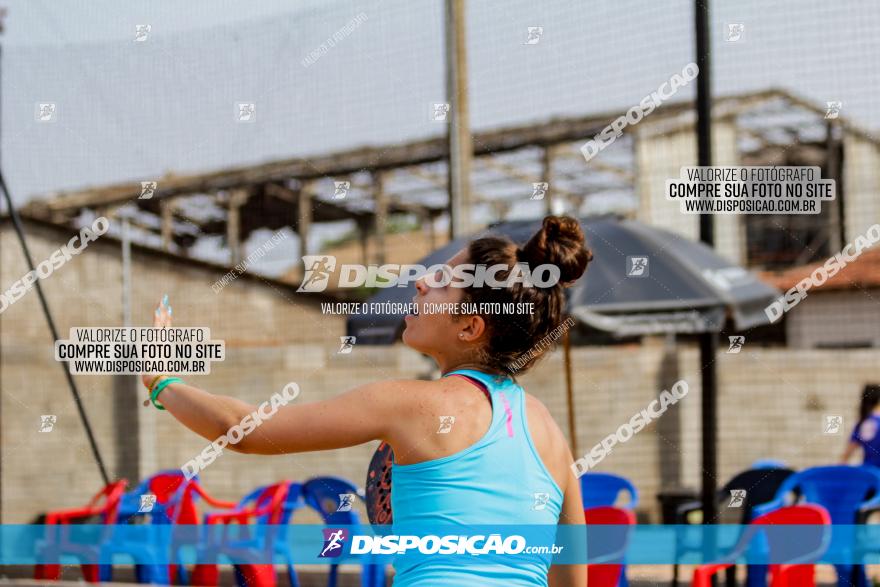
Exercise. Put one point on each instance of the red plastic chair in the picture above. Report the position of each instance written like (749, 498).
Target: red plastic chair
(264, 506)
(183, 510)
(600, 573)
(166, 486)
(104, 505)
(796, 573)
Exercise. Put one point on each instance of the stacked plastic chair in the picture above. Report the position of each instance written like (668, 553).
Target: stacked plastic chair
(164, 486)
(104, 507)
(604, 490)
(324, 495)
(760, 484)
(607, 570)
(794, 572)
(247, 534)
(847, 493)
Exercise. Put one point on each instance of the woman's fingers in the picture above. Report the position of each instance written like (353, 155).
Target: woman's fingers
(162, 315)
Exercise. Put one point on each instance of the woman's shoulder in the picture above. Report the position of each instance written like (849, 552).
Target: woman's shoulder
(402, 392)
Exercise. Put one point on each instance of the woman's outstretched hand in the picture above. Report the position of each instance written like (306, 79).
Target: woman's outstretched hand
(161, 319)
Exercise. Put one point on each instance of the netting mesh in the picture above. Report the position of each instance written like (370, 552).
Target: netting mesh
(337, 76)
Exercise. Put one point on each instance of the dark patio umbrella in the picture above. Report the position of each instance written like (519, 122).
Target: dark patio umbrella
(642, 280)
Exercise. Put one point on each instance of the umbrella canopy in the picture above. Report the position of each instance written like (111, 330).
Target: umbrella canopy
(642, 280)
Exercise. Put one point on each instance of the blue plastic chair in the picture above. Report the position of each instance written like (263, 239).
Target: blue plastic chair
(604, 489)
(323, 495)
(843, 491)
(768, 464)
(165, 485)
(292, 503)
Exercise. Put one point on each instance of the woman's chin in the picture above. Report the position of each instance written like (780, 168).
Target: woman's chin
(409, 339)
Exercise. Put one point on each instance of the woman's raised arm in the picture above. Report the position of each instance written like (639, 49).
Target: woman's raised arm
(352, 418)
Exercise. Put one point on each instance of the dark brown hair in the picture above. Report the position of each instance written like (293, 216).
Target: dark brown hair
(869, 401)
(516, 341)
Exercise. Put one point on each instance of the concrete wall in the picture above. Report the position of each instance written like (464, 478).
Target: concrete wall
(861, 185)
(836, 318)
(660, 155)
(267, 330)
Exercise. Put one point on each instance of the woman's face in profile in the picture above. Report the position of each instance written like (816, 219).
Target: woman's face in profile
(432, 331)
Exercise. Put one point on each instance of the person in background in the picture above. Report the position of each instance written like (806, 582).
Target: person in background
(865, 433)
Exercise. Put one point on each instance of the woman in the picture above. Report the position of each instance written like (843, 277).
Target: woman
(501, 460)
(864, 433)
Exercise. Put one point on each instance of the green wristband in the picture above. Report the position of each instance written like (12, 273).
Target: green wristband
(159, 387)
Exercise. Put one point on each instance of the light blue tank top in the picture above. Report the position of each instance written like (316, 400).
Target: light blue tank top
(498, 480)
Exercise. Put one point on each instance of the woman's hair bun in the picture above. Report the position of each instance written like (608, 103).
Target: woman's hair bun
(559, 242)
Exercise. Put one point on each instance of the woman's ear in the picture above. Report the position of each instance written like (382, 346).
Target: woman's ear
(474, 328)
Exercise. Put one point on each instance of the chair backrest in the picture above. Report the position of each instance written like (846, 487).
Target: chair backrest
(165, 486)
(292, 502)
(270, 499)
(323, 495)
(605, 549)
(807, 546)
(760, 486)
(840, 489)
(603, 489)
(111, 495)
(768, 464)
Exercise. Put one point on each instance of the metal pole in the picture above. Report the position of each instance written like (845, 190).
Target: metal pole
(461, 148)
(569, 394)
(708, 341)
(126, 272)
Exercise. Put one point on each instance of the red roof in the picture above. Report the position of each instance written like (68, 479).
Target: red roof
(863, 273)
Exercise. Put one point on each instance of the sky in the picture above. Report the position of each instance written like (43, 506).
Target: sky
(133, 111)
